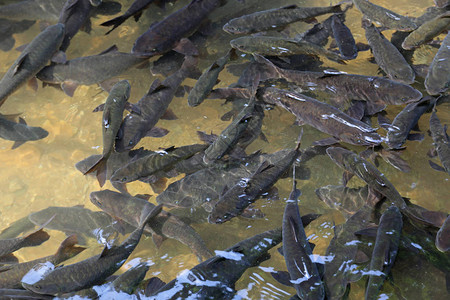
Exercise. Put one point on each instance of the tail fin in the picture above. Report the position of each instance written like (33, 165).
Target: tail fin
(35, 239)
(67, 249)
(189, 67)
(150, 215)
(116, 22)
(100, 167)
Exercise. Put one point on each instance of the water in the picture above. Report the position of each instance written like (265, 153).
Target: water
(41, 173)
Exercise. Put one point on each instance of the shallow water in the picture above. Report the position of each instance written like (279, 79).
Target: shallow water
(41, 173)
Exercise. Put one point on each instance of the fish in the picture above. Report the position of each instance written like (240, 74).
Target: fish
(16, 228)
(441, 3)
(405, 121)
(168, 33)
(297, 252)
(152, 107)
(427, 31)
(215, 278)
(387, 56)
(165, 225)
(233, 201)
(8, 28)
(354, 164)
(441, 142)
(385, 250)
(11, 275)
(158, 161)
(278, 46)
(438, 79)
(384, 16)
(22, 294)
(36, 238)
(443, 236)
(208, 79)
(19, 132)
(91, 271)
(89, 70)
(32, 59)
(429, 14)
(376, 91)
(276, 18)
(344, 38)
(322, 116)
(111, 121)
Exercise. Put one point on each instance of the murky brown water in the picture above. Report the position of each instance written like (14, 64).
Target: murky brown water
(41, 173)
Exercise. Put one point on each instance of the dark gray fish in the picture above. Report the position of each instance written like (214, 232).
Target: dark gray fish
(376, 91)
(32, 59)
(19, 132)
(7, 246)
(89, 70)
(8, 28)
(165, 225)
(405, 121)
(11, 275)
(441, 140)
(427, 31)
(91, 271)
(223, 270)
(152, 107)
(22, 294)
(322, 116)
(387, 56)
(344, 38)
(277, 18)
(129, 280)
(297, 252)
(431, 13)
(16, 228)
(354, 164)
(111, 121)
(385, 250)
(438, 77)
(74, 15)
(168, 33)
(443, 236)
(384, 16)
(278, 46)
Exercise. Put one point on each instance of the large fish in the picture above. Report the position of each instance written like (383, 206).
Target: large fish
(297, 252)
(322, 116)
(166, 34)
(354, 164)
(74, 15)
(215, 278)
(111, 121)
(385, 250)
(91, 271)
(32, 59)
(89, 70)
(387, 56)
(278, 46)
(19, 132)
(11, 275)
(345, 87)
(384, 16)
(344, 37)
(438, 77)
(441, 141)
(277, 17)
(165, 225)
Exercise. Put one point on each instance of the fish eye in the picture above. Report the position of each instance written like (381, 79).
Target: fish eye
(38, 287)
(130, 143)
(124, 179)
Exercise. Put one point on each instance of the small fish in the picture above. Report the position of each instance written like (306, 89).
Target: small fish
(443, 236)
(74, 15)
(441, 141)
(32, 59)
(344, 38)
(19, 132)
(111, 121)
(91, 271)
(130, 279)
(438, 77)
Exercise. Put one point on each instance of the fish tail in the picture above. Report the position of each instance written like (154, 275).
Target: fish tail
(150, 215)
(36, 238)
(100, 167)
(116, 22)
(67, 249)
(189, 67)
(342, 6)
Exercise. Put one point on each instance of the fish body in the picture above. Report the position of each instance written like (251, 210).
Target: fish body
(215, 278)
(74, 15)
(344, 38)
(441, 140)
(165, 225)
(322, 116)
(443, 236)
(277, 46)
(36, 238)
(275, 18)
(33, 10)
(32, 59)
(387, 55)
(353, 163)
(297, 252)
(438, 77)
(385, 250)
(20, 132)
(384, 16)
(164, 35)
(91, 271)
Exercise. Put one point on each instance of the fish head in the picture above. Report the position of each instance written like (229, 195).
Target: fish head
(95, 2)
(395, 93)
(337, 154)
(231, 27)
(123, 87)
(241, 44)
(47, 289)
(122, 176)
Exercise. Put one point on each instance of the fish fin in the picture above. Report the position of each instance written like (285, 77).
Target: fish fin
(137, 16)
(59, 57)
(369, 231)
(436, 166)
(111, 49)
(67, 249)
(19, 64)
(282, 277)
(159, 185)
(361, 257)
(346, 176)
(11, 117)
(169, 115)
(157, 132)
(87, 26)
(180, 92)
(228, 115)
(154, 211)
(153, 285)
(143, 196)
(189, 67)
(100, 167)
(22, 121)
(154, 85)
(101, 107)
(280, 250)
(356, 110)
(307, 219)
(159, 88)
(299, 122)
(233, 55)
(33, 84)
(186, 47)
(21, 48)
(8, 259)
(116, 22)
(69, 87)
(394, 159)
(157, 240)
(326, 142)
(415, 136)
(132, 107)
(263, 137)
(119, 226)
(17, 144)
(206, 138)
(108, 250)
(36, 238)
(107, 84)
